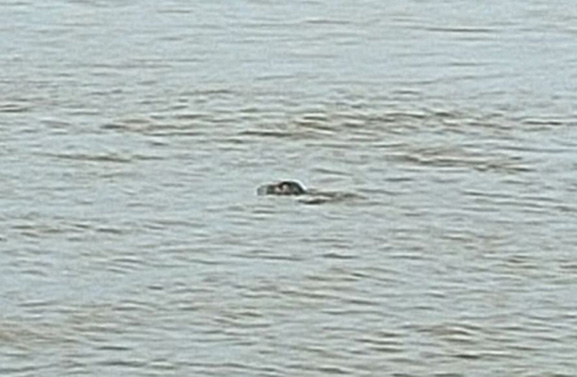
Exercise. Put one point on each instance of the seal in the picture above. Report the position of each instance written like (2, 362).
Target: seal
(305, 196)
(282, 188)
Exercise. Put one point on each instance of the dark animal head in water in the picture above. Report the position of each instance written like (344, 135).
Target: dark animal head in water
(282, 188)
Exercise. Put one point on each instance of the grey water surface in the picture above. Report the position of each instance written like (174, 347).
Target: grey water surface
(133, 135)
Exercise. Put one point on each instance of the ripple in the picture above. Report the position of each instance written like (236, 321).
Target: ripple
(104, 157)
(14, 108)
(460, 30)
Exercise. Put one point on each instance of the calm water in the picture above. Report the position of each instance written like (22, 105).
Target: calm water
(133, 135)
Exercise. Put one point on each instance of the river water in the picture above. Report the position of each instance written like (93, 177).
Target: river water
(133, 136)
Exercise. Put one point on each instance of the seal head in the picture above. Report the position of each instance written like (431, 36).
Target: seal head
(282, 188)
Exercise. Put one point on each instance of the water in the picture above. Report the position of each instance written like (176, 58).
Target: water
(133, 136)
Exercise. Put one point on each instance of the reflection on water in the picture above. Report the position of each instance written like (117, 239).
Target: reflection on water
(134, 136)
